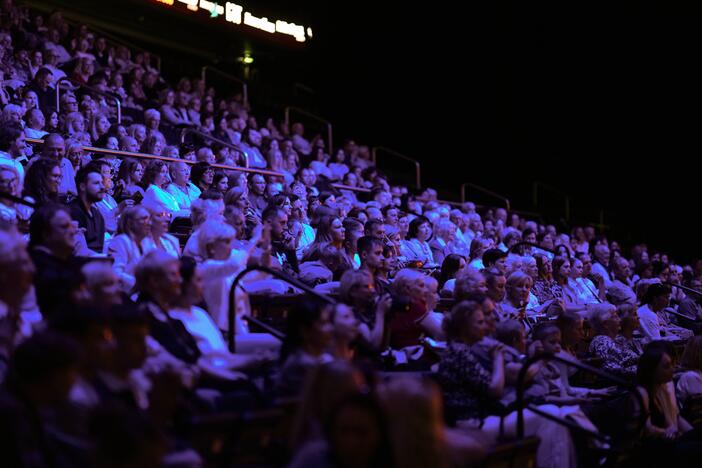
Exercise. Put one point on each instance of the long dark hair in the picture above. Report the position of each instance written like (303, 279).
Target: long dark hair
(368, 404)
(449, 268)
(152, 170)
(649, 361)
(301, 318)
(35, 184)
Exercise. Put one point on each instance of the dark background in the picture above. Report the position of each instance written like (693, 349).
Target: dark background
(597, 99)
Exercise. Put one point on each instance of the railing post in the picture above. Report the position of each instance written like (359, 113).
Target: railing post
(328, 124)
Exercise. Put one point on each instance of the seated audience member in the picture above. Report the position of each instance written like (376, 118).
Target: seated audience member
(357, 290)
(690, 382)
(409, 323)
(91, 190)
(629, 324)
(442, 244)
(52, 241)
(371, 449)
(159, 238)
(414, 408)
(16, 275)
(154, 182)
(495, 258)
(183, 191)
(516, 302)
(41, 184)
(131, 172)
(220, 265)
(616, 359)
(203, 328)
(308, 336)
(128, 246)
(620, 288)
(41, 372)
(667, 436)
(416, 246)
(452, 265)
(655, 323)
(471, 391)
(579, 285)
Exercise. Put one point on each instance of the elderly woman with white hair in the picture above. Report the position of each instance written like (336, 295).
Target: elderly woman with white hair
(443, 243)
(221, 263)
(606, 324)
(201, 211)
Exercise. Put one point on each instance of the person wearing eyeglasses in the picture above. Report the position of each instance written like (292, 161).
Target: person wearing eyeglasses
(159, 237)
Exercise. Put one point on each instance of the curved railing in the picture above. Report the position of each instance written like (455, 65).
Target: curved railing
(130, 154)
(231, 315)
(92, 89)
(541, 187)
(521, 405)
(397, 154)
(488, 192)
(228, 76)
(192, 131)
(310, 115)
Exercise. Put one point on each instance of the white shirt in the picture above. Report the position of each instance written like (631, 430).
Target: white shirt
(218, 276)
(169, 244)
(184, 196)
(413, 249)
(201, 326)
(689, 384)
(158, 198)
(108, 209)
(306, 240)
(127, 254)
(7, 160)
(598, 268)
(649, 323)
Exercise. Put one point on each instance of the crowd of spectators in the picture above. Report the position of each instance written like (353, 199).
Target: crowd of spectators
(115, 279)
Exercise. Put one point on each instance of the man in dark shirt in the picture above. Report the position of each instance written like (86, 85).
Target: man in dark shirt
(90, 191)
(46, 94)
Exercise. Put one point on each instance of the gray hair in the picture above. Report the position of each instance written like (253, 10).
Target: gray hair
(210, 231)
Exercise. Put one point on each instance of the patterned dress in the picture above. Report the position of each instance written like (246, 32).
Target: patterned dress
(465, 382)
(617, 359)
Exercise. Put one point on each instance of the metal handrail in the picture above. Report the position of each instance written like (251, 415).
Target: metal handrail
(231, 312)
(230, 77)
(121, 42)
(521, 380)
(551, 188)
(330, 132)
(684, 288)
(502, 198)
(417, 166)
(270, 330)
(79, 20)
(236, 148)
(531, 244)
(92, 89)
(130, 154)
(353, 189)
(15, 199)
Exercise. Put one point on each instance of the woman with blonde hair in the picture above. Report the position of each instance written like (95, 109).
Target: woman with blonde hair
(516, 302)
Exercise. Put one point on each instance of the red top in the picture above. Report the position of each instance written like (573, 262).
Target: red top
(404, 326)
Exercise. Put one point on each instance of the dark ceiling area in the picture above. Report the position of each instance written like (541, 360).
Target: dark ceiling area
(598, 99)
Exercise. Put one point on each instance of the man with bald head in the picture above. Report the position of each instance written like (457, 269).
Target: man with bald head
(619, 290)
(600, 266)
